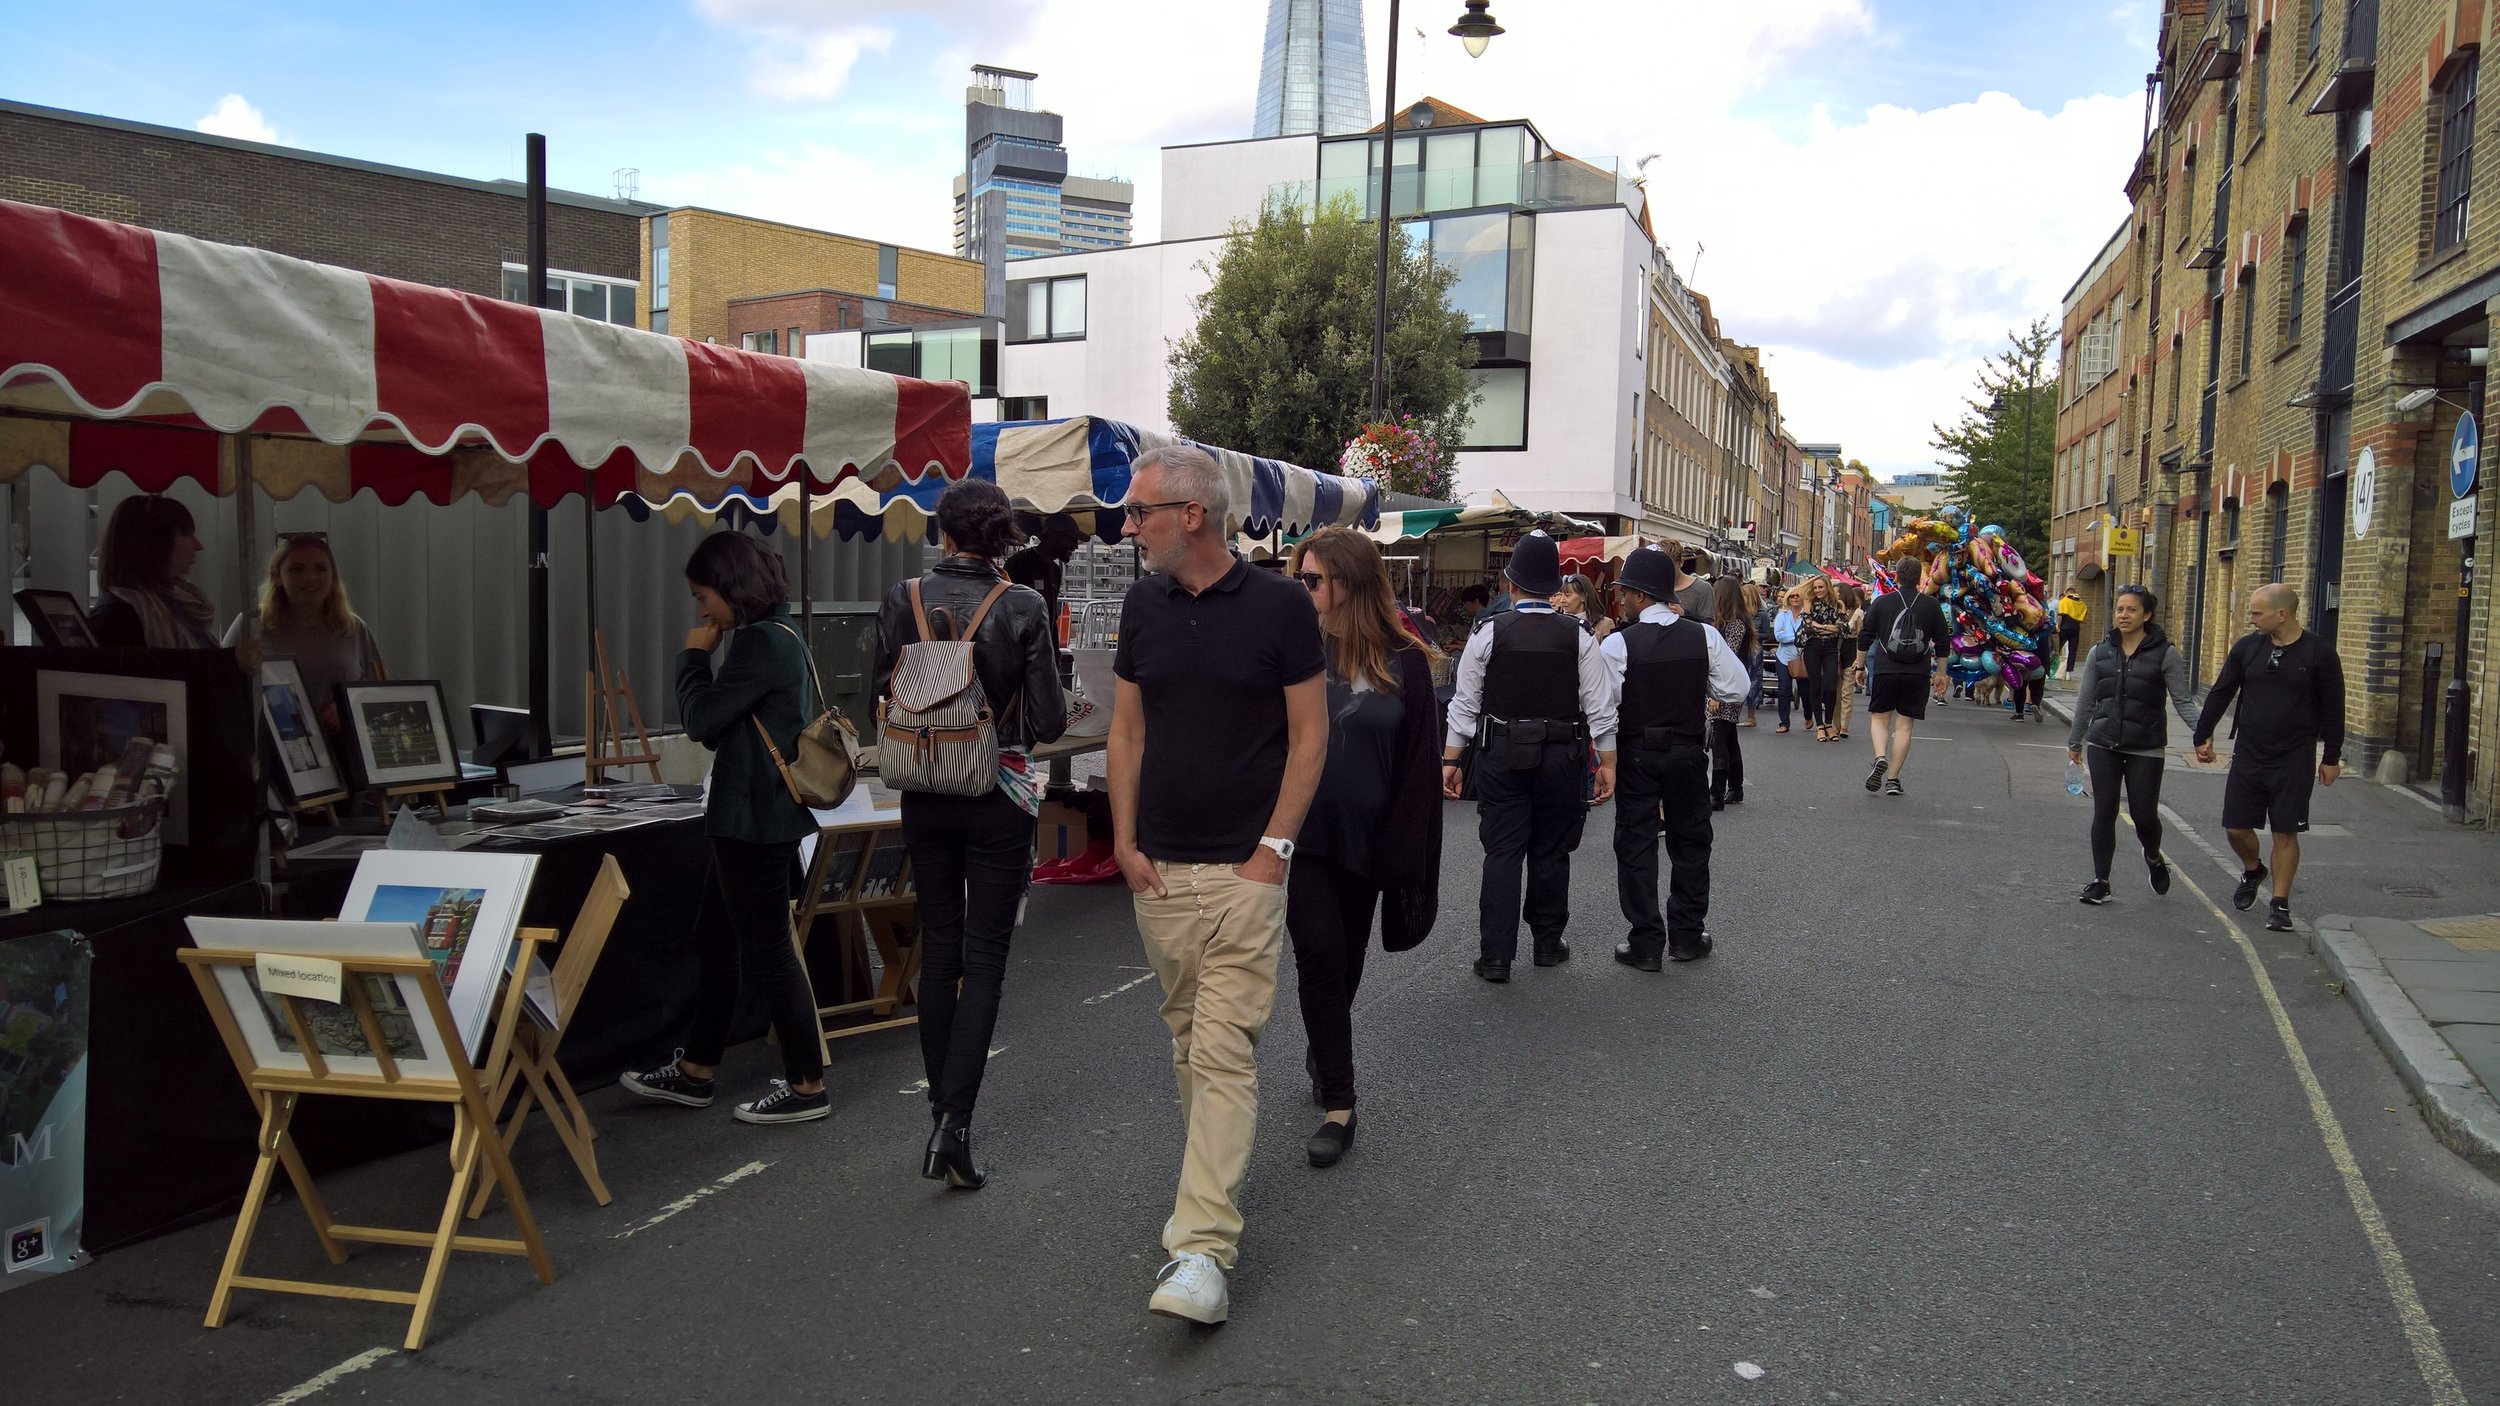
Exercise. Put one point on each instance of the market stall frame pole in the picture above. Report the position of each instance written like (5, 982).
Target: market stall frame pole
(541, 700)
(807, 540)
(246, 533)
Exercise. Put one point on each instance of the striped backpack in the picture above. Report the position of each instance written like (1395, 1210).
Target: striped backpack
(934, 729)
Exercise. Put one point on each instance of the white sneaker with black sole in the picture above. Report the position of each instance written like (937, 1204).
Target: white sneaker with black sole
(784, 1105)
(669, 1083)
(1191, 1287)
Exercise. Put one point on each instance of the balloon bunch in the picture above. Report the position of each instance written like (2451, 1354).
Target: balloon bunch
(1994, 600)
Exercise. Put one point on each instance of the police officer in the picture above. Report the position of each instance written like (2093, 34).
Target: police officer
(1533, 694)
(1674, 672)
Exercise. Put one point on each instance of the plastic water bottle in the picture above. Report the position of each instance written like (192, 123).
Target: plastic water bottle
(2076, 783)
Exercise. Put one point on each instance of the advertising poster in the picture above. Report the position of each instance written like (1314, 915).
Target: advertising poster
(43, 1105)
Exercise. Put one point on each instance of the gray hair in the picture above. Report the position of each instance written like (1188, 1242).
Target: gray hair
(1191, 474)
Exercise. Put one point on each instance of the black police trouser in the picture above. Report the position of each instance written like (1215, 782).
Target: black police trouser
(1663, 791)
(1534, 814)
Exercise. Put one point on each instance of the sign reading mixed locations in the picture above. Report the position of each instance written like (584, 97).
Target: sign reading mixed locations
(2364, 489)
(2465, 454)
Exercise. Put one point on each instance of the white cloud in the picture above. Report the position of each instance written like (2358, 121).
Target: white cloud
(233, 117)
(820, 67)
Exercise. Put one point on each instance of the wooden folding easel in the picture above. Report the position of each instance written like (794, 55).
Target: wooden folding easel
(605, 732)
(890, 920)
(277, 1092)
(439, 790)
(533, 1068)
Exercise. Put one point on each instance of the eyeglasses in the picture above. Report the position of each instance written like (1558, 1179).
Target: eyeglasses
(2274, 659)
(1311, 580)
(1139, 512)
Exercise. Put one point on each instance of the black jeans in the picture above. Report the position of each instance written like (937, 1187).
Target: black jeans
(1822, 683)
(971, 859)
(744, 927)
(2142, 776)
(1534, 815)
(1670, 786)
(1328, 917)
(1727, 757)
(2027, 695)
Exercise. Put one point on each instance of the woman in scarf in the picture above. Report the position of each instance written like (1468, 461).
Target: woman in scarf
(145, 567)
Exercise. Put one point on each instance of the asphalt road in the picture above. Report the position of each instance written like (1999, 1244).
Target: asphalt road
(1923, 1130)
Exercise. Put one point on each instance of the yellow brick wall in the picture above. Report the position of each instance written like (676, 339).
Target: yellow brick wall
(715, 257)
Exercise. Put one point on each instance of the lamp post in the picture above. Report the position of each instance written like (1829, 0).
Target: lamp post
(1475, 29)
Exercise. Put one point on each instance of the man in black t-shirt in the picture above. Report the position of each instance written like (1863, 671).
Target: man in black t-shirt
(2289, 684)
(1043, 566)
(1904, 664)
(1218, 736)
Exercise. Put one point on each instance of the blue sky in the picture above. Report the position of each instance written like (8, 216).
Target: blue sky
(1869, 214)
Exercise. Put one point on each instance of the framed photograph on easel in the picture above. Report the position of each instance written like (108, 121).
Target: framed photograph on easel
(305, 766)
(399, 732)
(58, 618)
(337, 1033)
(83, 721)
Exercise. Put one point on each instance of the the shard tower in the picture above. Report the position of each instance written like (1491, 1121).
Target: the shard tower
(1311, 75)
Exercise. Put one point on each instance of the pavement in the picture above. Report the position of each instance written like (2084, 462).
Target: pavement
(2428, 987)
(1923, 1130)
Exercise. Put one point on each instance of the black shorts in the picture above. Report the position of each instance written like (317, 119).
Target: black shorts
(2269, 795)
(1901, 693)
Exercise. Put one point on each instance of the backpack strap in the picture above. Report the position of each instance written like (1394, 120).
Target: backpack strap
(980, 614)
(919, 613)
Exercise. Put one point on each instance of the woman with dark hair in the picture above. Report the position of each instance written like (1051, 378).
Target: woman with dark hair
(972, 856)
(1852, 672)
(742, 690)
(1578, 599)
(1375, 822)
(2118, 701)
(144, 567)
(1727, 761)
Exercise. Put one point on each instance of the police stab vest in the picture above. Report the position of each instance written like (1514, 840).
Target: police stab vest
(1533, 670)
(1666, 683)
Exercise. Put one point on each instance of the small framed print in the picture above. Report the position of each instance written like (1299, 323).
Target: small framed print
(58, 618)
(83, 721)
(311, 774)
(400, 732)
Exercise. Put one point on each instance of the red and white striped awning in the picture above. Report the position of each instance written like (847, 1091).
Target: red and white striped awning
(120, 347)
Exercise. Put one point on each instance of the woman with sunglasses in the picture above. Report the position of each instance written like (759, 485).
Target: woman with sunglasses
(2119, 731)
(304, 615)
(1375, 823)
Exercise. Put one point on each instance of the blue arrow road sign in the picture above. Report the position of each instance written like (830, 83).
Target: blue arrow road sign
(2464, 456)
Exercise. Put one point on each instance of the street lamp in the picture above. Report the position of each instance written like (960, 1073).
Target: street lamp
(1475, 29)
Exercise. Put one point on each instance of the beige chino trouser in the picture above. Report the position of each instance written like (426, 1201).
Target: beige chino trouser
(1213, 939)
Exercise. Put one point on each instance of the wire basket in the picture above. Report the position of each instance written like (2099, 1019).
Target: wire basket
(90, 854)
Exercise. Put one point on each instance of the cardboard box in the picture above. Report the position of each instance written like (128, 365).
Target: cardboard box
(1059, 832)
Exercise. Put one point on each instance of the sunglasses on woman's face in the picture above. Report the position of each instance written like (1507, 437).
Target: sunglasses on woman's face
(1311, 580)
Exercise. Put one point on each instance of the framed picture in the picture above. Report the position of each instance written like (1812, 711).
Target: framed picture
(467, 912)
(83, 721)
(58, 618)
(398, 1002)
(304, 760)
(400, 731)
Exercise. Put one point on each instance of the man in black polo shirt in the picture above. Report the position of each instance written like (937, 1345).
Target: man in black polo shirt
(2290, 688)
(1904, 640)
(1217, 739)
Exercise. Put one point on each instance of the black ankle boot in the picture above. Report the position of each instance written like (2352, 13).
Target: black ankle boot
(950, 1154)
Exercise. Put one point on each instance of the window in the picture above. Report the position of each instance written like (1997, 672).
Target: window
(889, 261)
(582, 294)
(767, 341)
(2317, 31)
(2248, 320)
(1500, 420)
(2187, 197)
(2296, 278)
(659, 272)
(1046, 309)
(1024, 407)
(2456, 156)
(892, 353)
(1487, 253)
(2279, 506)
(2260, 60)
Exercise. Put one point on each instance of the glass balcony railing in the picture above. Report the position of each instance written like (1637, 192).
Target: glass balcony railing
(1476, 169)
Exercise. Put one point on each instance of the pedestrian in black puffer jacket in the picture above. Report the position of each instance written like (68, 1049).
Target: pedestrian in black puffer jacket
(2118, 712)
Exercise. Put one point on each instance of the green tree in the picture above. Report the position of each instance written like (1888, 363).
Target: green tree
(1280, 362)
(2007, 434)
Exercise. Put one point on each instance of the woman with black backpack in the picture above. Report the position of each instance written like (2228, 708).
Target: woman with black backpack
(2118, 700)
(748, 706)
(971, 845)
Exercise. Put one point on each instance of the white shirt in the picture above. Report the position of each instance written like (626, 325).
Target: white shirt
(1598, 688)
(1729, 683)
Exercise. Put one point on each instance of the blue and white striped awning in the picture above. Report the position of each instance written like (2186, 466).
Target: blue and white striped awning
(1079, 465)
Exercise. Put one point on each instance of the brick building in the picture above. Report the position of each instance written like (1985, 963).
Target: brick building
(695, 264)
(2306, 351)
(2091, 430)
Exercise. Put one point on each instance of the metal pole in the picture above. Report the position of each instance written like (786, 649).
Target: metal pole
(1388, 162)
(807, 592)
(2457, 724)
(542, 701)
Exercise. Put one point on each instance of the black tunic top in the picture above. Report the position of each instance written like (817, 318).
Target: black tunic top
(1352, 802)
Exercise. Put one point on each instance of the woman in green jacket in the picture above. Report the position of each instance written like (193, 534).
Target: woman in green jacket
(742, 667)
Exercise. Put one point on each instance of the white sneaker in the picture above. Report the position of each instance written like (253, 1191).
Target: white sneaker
(1191, 1287)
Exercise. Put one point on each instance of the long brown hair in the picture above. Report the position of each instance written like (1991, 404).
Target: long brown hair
(1374, 632)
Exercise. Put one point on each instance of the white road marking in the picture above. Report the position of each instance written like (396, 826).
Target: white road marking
(921, 1086)
(687, 1202)
(1116, 990)
(322, 1383)
(1749, 1371)
(2423, 1335)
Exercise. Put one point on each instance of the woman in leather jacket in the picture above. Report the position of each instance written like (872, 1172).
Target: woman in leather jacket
(972, 856)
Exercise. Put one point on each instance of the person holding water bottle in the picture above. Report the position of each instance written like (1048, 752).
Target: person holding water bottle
(2120, 735)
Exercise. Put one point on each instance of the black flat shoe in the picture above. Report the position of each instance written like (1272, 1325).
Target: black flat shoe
(1736, 797)
(950, 1154)
(1492, 970)
(1330, 1142)
(1693, 953)
(1555, 955)
(1634, 960)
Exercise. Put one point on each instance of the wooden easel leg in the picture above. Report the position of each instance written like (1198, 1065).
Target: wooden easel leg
(275, 1111)
(522, 1218)
(315, 1208)
(575, 1136)
(581, 1115)
(464, 1145)
(511, 1128)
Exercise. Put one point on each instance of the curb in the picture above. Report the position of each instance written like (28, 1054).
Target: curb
(2461, 1114)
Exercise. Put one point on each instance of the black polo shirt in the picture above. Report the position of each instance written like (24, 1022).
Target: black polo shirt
(1213, 669)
